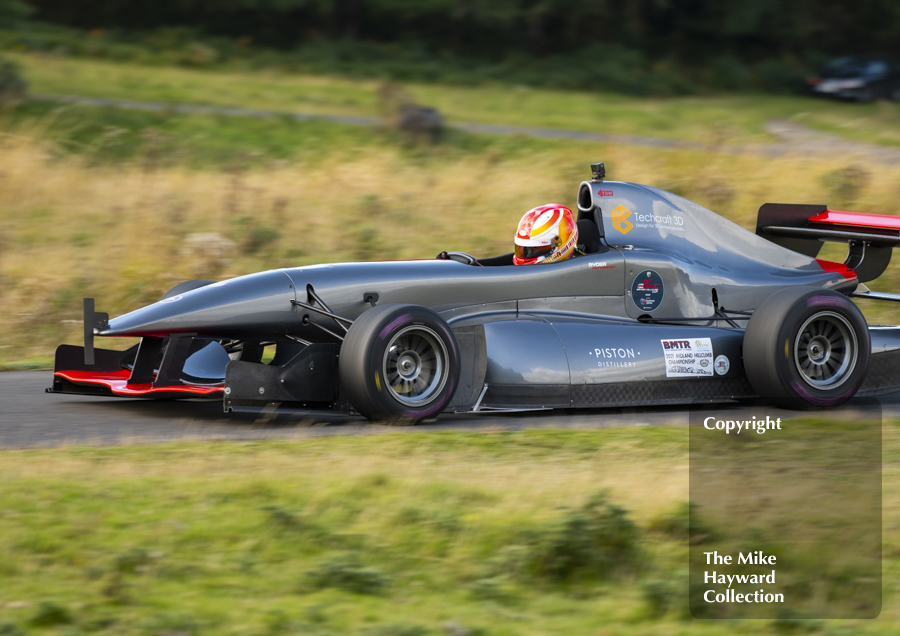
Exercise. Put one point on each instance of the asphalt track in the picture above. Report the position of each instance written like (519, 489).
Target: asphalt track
(29, 417)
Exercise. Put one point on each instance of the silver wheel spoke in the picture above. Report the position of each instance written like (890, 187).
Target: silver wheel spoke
(825, 350)
(416, 364)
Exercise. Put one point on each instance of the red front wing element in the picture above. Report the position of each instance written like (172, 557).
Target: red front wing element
(116, 383)
(121, 373)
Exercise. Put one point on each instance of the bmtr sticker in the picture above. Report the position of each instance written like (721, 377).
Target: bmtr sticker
(688, 358)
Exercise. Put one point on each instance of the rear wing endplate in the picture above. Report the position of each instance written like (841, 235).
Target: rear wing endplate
(871, 238)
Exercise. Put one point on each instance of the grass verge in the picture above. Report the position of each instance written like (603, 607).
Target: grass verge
(413, 533)
(723, 118)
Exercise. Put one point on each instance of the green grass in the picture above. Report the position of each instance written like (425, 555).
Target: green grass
(105, 135)
(124, 195)
(29, 364)
(714, 119)
(388, 534)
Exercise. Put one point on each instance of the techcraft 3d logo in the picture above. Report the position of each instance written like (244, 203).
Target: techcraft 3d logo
(620, 219)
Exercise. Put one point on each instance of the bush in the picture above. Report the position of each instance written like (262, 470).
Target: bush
(346, 573)
(595, 541)
(675, 524)
(251, 236)
(172, 623)
(776, 76)
(50, 614)
(656, 594)
(846, 185)
(12, 86)
(497, 588)
(10, 629)
(397, 629)
(14, 12)
(606, 67)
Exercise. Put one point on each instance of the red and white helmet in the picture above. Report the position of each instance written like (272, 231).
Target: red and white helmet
(546, 234)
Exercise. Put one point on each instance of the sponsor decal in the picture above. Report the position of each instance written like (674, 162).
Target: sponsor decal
(722, 365)
(688, 358)
(173, 299)
(647, 290)
(620, 219)
(604, 193)
(600, 265)
(563, 251)
(614, 356)
(672, 222)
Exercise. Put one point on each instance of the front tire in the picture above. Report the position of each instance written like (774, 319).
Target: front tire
(806, 346)
(399, 364)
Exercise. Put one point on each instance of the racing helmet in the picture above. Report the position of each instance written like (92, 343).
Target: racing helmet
(546, 234)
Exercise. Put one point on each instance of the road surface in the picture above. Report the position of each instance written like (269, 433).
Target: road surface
(32, 418)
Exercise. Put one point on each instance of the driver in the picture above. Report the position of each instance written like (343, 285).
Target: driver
(546, 234)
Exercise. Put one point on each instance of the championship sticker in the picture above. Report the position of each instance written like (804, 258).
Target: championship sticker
(722, 365)
(688, 358)
(647, 290)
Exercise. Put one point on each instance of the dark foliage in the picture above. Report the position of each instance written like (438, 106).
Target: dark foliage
(346, 572)
(690, 31)
(14, 12)
(12, 85)
(594, 542)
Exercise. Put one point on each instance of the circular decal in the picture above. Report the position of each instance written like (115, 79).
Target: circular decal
(722, 365)
(647, 290)
(172, 299)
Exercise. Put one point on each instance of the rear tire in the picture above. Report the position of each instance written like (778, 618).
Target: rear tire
(399, 364)
(806, 346)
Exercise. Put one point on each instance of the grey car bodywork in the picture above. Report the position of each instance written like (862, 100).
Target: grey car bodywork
(595, 330)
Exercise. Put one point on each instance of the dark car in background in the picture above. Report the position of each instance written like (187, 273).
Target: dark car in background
(861, 78)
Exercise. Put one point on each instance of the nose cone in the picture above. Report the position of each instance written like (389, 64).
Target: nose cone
(255, 306)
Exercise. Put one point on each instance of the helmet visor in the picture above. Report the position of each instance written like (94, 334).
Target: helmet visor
(527, 253)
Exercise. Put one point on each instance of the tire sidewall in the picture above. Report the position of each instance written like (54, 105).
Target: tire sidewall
(810, 306)
(792, 310)
(361, 365)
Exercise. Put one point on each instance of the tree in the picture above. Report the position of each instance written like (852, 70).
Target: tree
(14, 12)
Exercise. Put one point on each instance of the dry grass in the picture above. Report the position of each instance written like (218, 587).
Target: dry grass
(122, 233)
(644, 479)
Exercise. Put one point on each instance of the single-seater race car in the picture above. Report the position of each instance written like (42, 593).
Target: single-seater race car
(669, 304)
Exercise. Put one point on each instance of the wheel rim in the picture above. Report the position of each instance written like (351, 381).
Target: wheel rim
(415, 365)
(825, 350)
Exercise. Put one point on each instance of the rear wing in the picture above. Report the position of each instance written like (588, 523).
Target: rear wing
(871, 238)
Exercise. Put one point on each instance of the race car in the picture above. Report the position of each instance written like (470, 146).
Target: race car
(668, 303)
